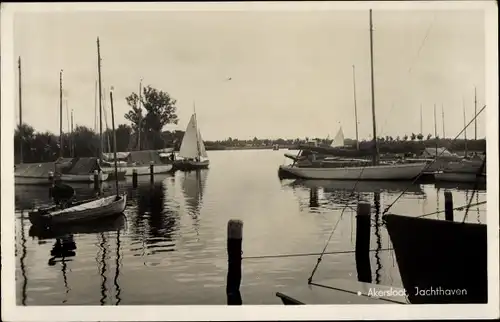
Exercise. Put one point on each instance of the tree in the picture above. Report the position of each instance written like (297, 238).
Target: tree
(405, 137)
(420, 136)
(429, 136)
(160, 110)
(23, 136)
(413, 136)
(86, 142)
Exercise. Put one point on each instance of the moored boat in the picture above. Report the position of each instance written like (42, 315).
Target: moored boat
(440, 261)
(138, 161)
(192, 153)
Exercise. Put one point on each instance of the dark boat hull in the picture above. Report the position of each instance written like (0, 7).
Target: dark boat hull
(187, 165)
(447, 260)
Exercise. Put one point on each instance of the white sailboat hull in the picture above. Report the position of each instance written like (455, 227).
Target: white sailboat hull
(381, 172)
(142, 170)
(92, 210)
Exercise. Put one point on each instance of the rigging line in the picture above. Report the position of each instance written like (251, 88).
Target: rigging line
(464, 207)
(335, 227)
(481, 169)
(430, 163)
(413, 63)
(310, 254)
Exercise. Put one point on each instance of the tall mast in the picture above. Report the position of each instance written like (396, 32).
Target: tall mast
(465, 126)
(442, 117)
(72, 142)
(375, 147)
(114, 139)
(20, 112)
(100, 97)
(95, 107)
(355, 104)
(60, 116)
(139, 130)
(435, 130)
(475, 114)
(421, 121)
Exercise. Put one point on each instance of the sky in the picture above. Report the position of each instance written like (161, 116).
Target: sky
(291, 71)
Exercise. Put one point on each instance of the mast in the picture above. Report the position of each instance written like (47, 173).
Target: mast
(375, 147)
(442, 117)
(60, 116)
(475, 114)
(355, 104)
(72, 143)
(20, 112)
(139, 130)
(435, 130)
(465, 126)
(421, 121)
(114, 140)
(95, 107)
(196, 128)
(69, 126)
(100, 97)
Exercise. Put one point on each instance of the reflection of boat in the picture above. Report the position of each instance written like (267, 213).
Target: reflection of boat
(464, 171)
(460, 185)
(359, 186)
(445, 259)
(193, 185)
(107, 224)
(192, 151)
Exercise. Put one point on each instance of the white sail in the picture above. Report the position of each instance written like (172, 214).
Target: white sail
(189, 145)
(338, 141)
(203, 151)
(192, 145)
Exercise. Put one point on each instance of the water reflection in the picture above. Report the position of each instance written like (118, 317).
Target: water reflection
(378, 236)
(21, 262)
(62, 251)
(101, 264)
(117, 269)
(193, 185)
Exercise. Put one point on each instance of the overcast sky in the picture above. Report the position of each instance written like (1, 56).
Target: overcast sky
(291, 71)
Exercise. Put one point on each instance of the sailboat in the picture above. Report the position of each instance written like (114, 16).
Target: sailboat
(94, 209)
(192, 151)
(333, 171)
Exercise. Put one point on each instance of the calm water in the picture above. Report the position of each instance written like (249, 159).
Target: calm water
(170, 247)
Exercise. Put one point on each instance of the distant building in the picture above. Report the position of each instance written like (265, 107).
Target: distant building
(441, 152)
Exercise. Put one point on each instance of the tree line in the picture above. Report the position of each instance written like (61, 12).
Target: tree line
(151, 111)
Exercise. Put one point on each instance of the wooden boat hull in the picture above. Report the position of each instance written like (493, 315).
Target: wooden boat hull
(95, 209)
(446, 259)
(189, 165)
(382, 172)
(142, 170)
(80, 178)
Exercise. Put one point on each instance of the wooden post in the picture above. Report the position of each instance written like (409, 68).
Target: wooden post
(134, 178)
(51, 180)
(151, 172)
(448, 205)
(96, 180)
(234, 241)
(313, 198)
(362, 254)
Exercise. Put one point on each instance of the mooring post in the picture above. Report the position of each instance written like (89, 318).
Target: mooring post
(134, 178)
(448, 205)
(96, 180)
(234, 241)
(313, 197)
(362, 254)
(151, 172)
(51, 180)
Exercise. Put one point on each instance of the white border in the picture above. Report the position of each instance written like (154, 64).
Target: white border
(11, 312)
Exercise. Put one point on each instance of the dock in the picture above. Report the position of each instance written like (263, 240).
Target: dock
(341, 291)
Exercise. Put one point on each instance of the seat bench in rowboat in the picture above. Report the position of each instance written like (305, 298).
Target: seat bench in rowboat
(86, 211)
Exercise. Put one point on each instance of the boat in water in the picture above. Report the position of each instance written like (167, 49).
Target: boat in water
(136, 161)
(440, 262)
(192, 153)
(467, 171)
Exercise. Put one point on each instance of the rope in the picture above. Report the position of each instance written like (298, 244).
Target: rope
(481, 169)
(334, 228)
(430, 163)
(466, 207)
(310, 254)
